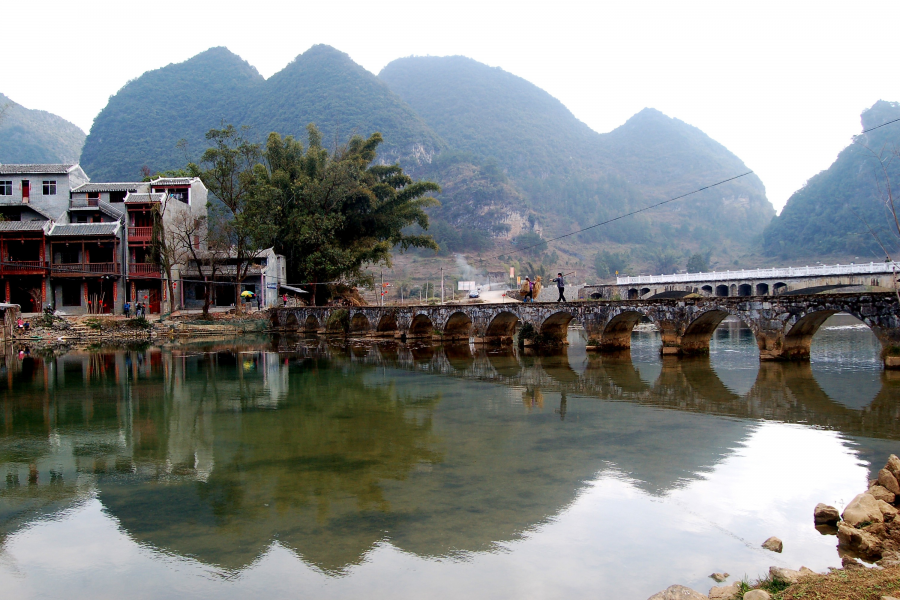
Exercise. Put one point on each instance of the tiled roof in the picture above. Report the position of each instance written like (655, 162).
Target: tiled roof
(26, 207)
(132, 198)
(172, 181)
(22, 225)
(35, 169)
(124, 186)
(85, 229)
(113, 211)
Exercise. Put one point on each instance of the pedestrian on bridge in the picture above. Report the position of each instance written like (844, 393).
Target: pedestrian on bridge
(561, 286)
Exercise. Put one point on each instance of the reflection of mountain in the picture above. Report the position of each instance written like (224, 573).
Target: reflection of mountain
(219, 452)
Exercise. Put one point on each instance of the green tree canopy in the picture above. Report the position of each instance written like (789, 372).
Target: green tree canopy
(335, 212)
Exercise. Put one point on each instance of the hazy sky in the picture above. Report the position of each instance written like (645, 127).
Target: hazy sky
(780, 84)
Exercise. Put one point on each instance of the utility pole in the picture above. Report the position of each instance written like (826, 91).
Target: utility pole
(442, 286)
(382, 287)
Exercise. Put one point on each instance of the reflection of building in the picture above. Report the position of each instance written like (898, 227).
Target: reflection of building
(84, 247)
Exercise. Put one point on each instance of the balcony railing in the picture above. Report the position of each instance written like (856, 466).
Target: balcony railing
(872, 268)
(84, 202)
(10, 265)
(140, 234)
(94, 268)
(147, 269)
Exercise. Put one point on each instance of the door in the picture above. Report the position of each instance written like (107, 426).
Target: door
(26, 191)
(154, 301)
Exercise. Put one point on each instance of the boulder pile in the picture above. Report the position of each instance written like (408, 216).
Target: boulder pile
(868, 527)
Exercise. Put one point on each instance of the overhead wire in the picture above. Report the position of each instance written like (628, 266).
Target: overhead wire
(634, 212)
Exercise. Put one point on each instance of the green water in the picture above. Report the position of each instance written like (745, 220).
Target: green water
(285, 468)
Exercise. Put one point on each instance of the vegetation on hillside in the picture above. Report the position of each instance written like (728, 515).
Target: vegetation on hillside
(832, 213)
(36, 136)
(144, 122)
(504, 151)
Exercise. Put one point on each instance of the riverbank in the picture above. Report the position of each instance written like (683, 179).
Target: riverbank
(44, 331)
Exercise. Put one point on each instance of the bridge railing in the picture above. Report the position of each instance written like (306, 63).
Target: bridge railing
(879, 268)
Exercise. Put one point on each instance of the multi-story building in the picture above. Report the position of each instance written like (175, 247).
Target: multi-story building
(83, 247)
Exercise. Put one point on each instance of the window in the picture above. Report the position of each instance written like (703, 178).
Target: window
(117, 196)
(49, 187)
(5, 188)
(71, 293)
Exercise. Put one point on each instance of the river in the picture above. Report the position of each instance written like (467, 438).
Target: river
(291, 467)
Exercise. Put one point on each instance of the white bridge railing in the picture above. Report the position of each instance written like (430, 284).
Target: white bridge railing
(783, 273)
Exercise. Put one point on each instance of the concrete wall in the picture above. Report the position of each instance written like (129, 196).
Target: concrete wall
(54, 205)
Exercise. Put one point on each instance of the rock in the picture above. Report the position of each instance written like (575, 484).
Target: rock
(757, 595)
(850, 564)
(893, 465)
(861, 542)
(889, 559)
(719, 577)
(886, 479)
(863, 508)
(888, 598)
(882, 493)
(773, 544)
(887, 511)
(806, 571)
(825, 515)
(725, 592)
(789, 575)
(678, 592)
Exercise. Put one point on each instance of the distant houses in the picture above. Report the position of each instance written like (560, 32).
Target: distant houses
(87, 248)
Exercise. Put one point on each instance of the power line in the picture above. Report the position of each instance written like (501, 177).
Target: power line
(877, 126)
(634, 212)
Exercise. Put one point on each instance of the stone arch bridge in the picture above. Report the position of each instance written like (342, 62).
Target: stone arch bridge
(783, 326)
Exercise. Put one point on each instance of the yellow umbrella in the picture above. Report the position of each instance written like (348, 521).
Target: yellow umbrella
(247, 294)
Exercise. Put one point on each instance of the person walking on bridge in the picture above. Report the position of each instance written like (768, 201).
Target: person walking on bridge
(561, 286)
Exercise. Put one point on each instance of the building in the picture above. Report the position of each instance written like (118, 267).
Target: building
(82, 247)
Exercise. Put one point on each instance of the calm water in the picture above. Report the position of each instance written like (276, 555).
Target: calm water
(284, 468)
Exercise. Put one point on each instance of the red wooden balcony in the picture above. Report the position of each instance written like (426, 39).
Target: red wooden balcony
(86, 268)
(140, 234)
(144, 270)
(22, 266)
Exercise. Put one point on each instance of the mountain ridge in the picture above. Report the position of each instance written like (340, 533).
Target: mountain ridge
(37, 136)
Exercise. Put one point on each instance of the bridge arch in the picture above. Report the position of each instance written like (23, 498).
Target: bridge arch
(420, 326)
(291, 322)
(745, 289)
(311, 324)
(779, 288)
(359, 323)
(633, 294)
(762, 289)
(722, 291)
(503, 325)
(387, 323)
(644, 291)
(617, 331)
(458, 326)
(556, 326)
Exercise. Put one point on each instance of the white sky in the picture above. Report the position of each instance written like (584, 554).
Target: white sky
(780, 84)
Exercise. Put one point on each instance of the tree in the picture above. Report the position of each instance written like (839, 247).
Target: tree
(230, 172)
(698, 262)
(666, 261)
(202, 242)
(607, 264)
(530, 243)
(336, 211)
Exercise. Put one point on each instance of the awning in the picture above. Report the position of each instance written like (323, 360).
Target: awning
(293, 289)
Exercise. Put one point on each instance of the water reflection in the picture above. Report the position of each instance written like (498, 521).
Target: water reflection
(218, 450)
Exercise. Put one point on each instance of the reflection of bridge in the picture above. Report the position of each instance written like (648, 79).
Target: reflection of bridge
(783, 326)
(784, 391)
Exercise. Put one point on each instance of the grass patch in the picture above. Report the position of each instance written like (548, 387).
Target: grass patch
(856, 584)
(138, 323)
